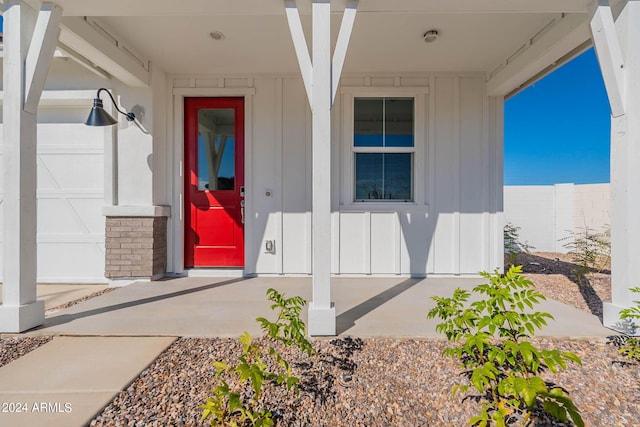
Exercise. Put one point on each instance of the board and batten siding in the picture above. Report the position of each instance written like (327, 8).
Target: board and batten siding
(454, 226)
(70, 197)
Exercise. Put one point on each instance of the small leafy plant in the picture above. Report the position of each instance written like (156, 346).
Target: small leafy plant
(513, 247)
(492, 343)
(236, 400)
(589, 250)
(631, 348)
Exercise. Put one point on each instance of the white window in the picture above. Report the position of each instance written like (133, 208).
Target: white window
(383, 149)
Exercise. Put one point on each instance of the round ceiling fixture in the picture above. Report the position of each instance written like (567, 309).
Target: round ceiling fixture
(431, 36)
(217, 35)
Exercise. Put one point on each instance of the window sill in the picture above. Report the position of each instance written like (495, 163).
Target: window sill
(384, 207)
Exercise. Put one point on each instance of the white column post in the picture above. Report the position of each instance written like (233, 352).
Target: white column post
(618, 49)
(322, 314)
(321, 83)
(28, 50)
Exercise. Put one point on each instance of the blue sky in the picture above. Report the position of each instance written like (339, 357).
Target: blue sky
(557, 131)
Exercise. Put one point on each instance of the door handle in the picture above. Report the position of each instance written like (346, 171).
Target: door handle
(242, 211)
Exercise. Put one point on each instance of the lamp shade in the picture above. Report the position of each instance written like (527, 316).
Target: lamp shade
(98, 116)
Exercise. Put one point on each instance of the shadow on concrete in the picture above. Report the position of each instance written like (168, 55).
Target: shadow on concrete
(591, 298)
(346, 320)
(66, 318)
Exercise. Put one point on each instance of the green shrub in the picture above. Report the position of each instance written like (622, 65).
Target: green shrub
(491, 337)
(513, 247)
(631, 348)
(236, 400)
(589, 250)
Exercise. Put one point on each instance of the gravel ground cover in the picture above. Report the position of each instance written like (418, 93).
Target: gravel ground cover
(386, 382)
(79, 300)
(13, 347)
(376, 382)
(553, 275)
(393, 383)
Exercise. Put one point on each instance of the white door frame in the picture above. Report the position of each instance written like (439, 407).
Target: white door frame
(175, 159)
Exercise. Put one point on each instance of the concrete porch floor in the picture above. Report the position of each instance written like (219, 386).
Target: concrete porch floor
(125, 330)
(226, 307)
(55, 294)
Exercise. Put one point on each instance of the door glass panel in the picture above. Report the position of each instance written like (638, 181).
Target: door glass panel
(216, 149)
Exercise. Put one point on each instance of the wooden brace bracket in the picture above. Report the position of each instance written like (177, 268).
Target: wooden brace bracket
(40, 53)
(302, 51)
(607, 44)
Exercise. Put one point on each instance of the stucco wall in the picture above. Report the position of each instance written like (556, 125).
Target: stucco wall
(546, 213)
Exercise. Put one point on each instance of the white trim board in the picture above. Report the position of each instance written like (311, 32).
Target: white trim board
(213, 92)
(63, 98)
(175, 225)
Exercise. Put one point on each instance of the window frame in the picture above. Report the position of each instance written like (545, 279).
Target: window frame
(419, 149)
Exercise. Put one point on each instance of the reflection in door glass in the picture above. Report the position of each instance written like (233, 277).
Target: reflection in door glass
(216, 149)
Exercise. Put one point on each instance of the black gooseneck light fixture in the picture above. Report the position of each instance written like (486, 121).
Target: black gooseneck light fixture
(99, 117)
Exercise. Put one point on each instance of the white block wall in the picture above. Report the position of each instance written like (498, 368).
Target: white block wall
(545, 214)
(592, 204)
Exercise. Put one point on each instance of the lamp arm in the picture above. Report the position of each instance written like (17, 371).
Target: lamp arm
(130, 116)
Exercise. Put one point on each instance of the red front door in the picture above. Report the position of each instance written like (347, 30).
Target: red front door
(214, 182)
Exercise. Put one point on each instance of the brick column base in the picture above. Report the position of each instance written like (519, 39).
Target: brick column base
(136, 247)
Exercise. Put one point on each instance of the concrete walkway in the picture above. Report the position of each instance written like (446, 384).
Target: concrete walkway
(102, 344)
(68, 381)
(223, 307)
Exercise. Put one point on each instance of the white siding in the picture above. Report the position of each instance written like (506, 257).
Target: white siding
(446, 199)
(70, 199)
(447, 230)
(265, 171)
(473, 178)
(385, 243)
(296, 179)
(355, 243)
(70, 178)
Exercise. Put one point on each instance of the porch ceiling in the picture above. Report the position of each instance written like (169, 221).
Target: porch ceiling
(381, 42)
(274, 7)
